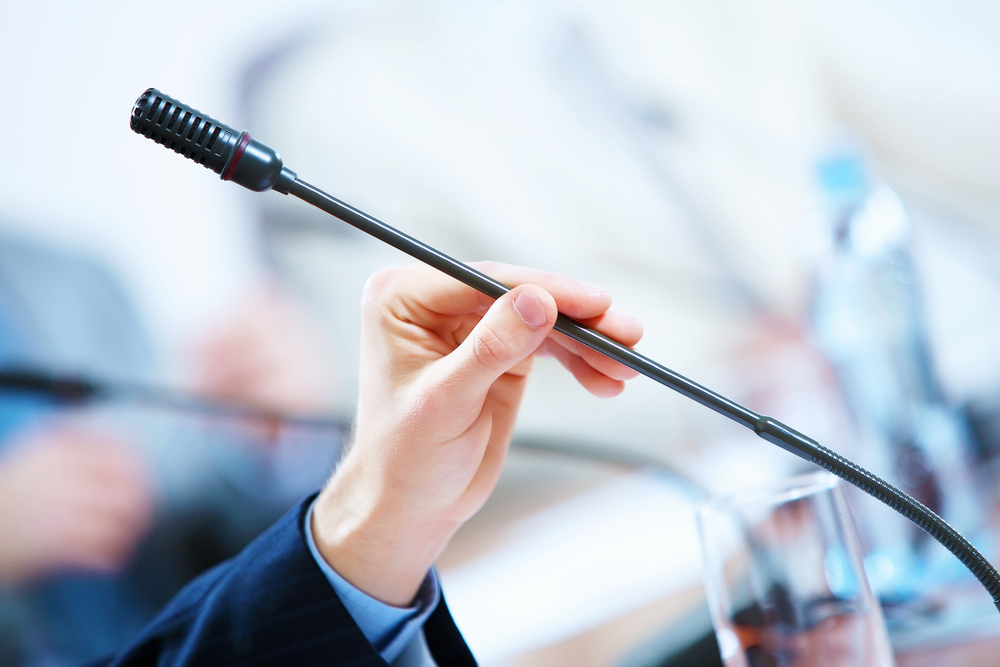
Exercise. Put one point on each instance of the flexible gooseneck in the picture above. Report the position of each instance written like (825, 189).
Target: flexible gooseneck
(236, 156)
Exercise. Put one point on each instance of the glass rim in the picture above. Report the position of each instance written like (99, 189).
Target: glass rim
(787, 490)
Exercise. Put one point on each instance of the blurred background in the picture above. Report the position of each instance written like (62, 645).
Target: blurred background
(800, 200)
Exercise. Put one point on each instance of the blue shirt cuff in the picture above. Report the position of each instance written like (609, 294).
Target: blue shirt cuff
(388, 629)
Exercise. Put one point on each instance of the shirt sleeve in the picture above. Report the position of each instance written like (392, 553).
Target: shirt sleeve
(390, 630)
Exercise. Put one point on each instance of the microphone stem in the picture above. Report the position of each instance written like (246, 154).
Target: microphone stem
(79, 390)
(162, 398)
(490, 287)
(766, 427)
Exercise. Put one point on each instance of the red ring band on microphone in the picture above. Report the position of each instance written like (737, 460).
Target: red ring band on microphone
(237, 155)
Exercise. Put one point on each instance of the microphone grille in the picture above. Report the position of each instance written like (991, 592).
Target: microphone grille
(183, 129)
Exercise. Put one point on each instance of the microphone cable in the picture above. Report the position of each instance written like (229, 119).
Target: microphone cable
(238, 157)
(66, 389)
(69, 389)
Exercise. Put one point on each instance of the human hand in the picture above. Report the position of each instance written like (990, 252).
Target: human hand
(70, 500)
(443, 369)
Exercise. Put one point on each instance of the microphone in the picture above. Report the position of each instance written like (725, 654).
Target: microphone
(235, 156)
(79, 390)
(62, 389)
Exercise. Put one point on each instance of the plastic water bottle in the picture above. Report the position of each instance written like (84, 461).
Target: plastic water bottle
(867, 317)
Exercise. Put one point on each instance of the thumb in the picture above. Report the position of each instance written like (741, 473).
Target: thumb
(512, 329)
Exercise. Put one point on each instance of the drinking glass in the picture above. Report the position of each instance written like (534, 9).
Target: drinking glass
(785, 581)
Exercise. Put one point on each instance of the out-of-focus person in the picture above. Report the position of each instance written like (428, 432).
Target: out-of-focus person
(266, 353)
(106, 510)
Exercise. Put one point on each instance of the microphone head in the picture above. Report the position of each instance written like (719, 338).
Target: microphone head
(233, 155)
(187, 131)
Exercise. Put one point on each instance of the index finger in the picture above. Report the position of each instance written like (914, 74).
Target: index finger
(420, 285)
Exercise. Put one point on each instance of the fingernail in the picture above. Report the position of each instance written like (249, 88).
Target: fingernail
(531, 310)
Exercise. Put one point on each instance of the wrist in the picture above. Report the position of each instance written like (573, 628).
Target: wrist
(373, 538)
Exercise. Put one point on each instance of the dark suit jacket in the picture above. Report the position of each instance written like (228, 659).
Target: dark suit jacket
(270, 605)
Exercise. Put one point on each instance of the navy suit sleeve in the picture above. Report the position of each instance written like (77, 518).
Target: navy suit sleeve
(270, 605)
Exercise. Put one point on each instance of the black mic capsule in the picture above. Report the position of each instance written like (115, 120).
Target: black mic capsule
(184, 130)
(234, 155)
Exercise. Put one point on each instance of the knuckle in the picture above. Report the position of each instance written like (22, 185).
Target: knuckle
(381, 290)
(378, 284)
(491, 350)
